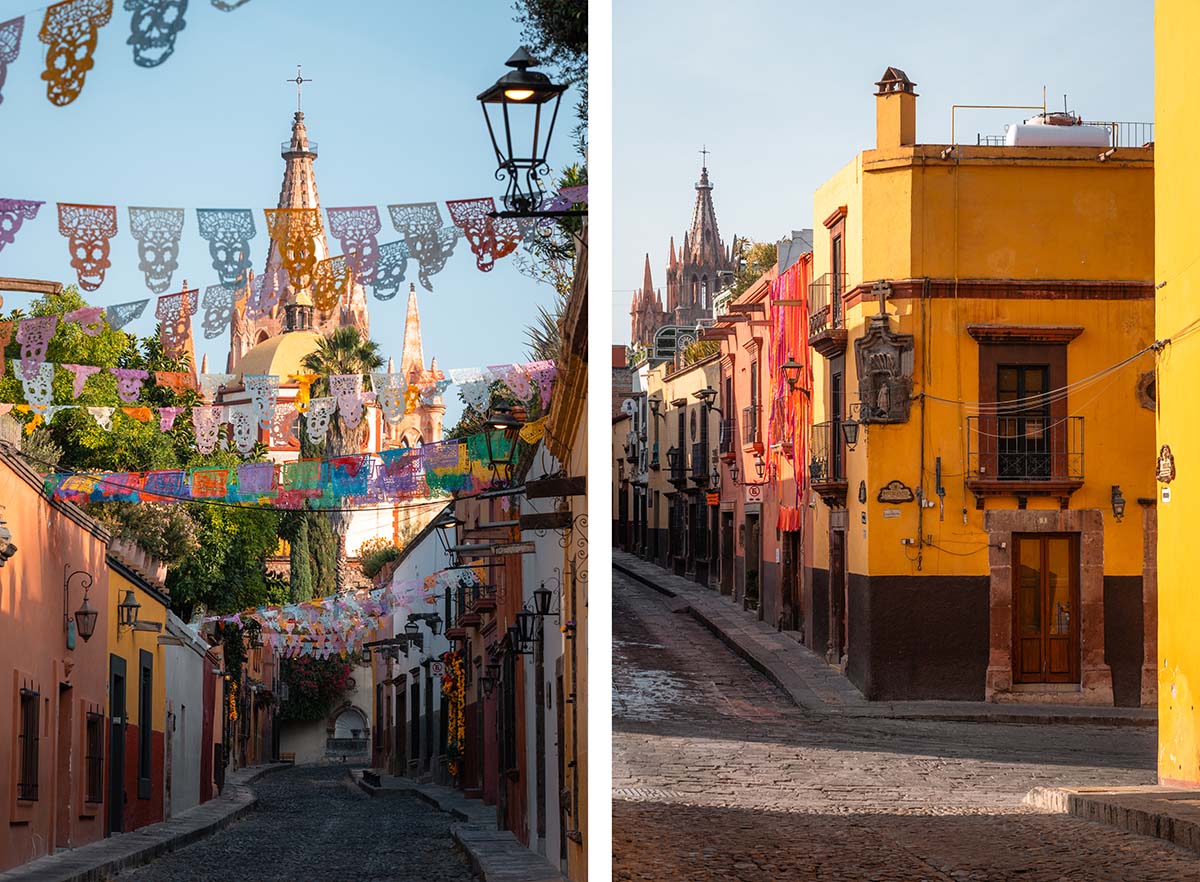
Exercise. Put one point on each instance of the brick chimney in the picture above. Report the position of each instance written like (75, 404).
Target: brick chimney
(895, 110)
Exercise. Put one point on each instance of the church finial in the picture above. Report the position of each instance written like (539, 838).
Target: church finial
(299, 81)
(411, 355)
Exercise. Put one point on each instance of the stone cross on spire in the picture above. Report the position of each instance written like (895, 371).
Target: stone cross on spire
(704, 151)
(299, 81)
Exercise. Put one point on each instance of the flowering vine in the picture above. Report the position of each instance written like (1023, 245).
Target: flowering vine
(454, 692)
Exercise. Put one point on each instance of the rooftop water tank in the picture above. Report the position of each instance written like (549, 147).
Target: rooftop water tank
(1056, 130)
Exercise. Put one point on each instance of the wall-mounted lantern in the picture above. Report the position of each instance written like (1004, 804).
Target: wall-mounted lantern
(127, 610)
(84, 620)
(791, 372)
(1118, 503)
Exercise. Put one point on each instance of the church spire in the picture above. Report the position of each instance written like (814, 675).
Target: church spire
(411, 356)
(647, 282)
(703, 238)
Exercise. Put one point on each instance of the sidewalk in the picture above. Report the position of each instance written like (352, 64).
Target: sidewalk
(495, 855)
(98, 861)
(1163, 812)
(815, 686)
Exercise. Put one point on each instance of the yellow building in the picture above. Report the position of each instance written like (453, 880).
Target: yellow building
(977, 438)
(137, 695)
(1177, 271)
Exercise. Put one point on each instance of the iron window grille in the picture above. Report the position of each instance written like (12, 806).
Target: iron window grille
(825, 465)
(94, 758)
(825, 308)
(27, 784)
(750, 433)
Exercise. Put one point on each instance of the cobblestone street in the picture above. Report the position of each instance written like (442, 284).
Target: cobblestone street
(718, 776)
(312, 823)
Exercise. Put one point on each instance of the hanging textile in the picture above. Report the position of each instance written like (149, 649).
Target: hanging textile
(263, 390)
(256, 478)
(70, 30)
(174, 313)
(210, 383)
(157, 232)
(389, 394)
(10, 47)
(89, 318)
(330, 281)
(154, 26)
(266, 290)
(129, 383)
(123, 313)
(425, 240)
(295, 231)
(490, 238)
(243, 420)
(356, 228)
(34, 336)
(81, 372)
(102, 416)
(206, 421)
(37, 379)
(320, 410)
(177, 381)
(228, 232)
(283, 424)
(217, 303)
(167, 416)
(304, 386)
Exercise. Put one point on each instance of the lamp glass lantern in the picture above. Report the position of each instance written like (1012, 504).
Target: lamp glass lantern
(759, 466)
(733, 470)
(850, 432)
(707, 396)
(520, 109)
(501, 430)
(542, 597)
(128, 609)
(526, 625)
(85, 619)
(447, 524)
(1118, 502)
(411, 629)
(435, 624)
(791, 372)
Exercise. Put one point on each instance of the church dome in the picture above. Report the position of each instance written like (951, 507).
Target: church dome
(280, 355)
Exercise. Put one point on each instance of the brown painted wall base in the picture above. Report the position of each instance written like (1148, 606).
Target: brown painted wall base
(818, 614)
(1123, 637)
(918, 637)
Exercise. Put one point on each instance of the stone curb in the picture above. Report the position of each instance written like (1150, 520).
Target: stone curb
(97, 861)
(766, 662)
(494, 855)
(1144, 811)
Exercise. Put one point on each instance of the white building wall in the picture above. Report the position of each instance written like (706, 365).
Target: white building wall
(308, 740)
(185, 673)
(543, 566)
(424, 558)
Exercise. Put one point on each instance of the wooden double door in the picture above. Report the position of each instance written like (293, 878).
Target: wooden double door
(1046, 608)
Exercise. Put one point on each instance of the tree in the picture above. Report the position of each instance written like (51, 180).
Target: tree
(216, 554)
(557, 33)
(345, 351)
(754, 259)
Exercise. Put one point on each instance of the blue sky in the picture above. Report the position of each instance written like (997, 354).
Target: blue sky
(781, 92)
(392, 106)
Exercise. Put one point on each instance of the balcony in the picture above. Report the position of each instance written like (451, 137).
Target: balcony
(827, 467)
(751, 433)
(654, 457)
(677, 463)
(699, 464)
(1024, 456)
(727, 438)
(827, 314)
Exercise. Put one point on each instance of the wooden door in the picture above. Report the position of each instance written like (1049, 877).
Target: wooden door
(727, 552)
(837, 597)
(1046, 608)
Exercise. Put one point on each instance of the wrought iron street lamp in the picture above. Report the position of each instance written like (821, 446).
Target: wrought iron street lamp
(716, 477)
(526, 625)
(542, 597)
(433, 620)
(850, 432)
(673, 458)
(84, 620)
(447, 524)
(1118, 503)
(759, 466)
(500, 431)
(521, 135)
(733, 471)
(791, 372)
(127, 610)
(707, 396)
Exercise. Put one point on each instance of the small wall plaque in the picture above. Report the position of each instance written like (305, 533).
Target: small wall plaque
(895, 491)
(862, 491)
(891, 512)
(1165, 469)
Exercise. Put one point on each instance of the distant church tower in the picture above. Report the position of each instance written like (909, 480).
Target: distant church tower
(299, 190)
(424, 424)
(694, 275)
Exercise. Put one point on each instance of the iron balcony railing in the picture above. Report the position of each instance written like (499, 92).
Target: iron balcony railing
(699, 463)
(1127, 134)
(825, 308)
(750, 421)
(677, 464)
(827, 464)
(285, 148)
(1024, 448)
(728, 435)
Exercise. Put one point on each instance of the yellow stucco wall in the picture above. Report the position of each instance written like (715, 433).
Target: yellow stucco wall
(1047, 213)
(128, 644)
(1177, 264)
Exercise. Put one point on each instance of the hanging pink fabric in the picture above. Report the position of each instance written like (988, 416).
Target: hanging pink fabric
(81, 372)
(89, 318)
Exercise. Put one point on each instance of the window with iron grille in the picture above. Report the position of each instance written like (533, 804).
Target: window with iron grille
(27, 784)
(94, 758)
(1023, 428)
